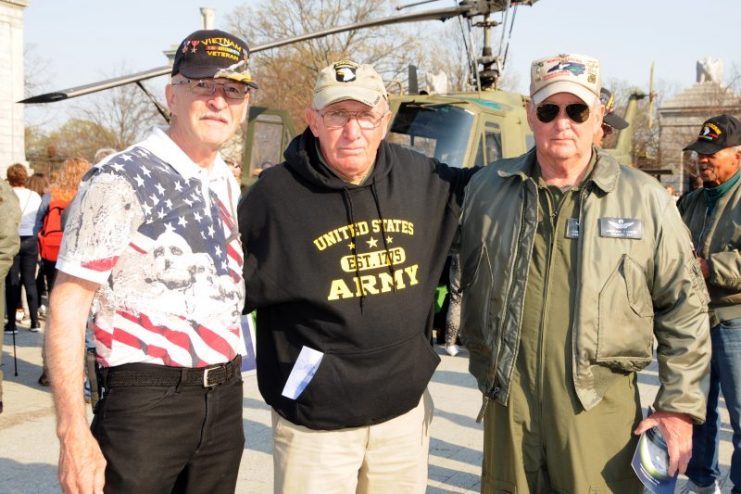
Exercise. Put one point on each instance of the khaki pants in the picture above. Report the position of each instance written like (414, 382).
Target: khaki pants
(390, 457)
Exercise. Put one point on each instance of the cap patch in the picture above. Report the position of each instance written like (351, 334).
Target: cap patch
(575, 68)
(215, 47)
(710, 132)
(345, 71)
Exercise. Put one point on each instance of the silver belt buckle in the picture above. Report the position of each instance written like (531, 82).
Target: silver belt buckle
(205, 375)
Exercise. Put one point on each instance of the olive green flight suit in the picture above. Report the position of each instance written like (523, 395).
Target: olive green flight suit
(545, 441)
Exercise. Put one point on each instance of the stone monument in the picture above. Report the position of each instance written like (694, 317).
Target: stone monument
(681, 116)
(12, 147)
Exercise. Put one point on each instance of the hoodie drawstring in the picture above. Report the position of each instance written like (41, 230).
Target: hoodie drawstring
(351, 218)
(390, 265)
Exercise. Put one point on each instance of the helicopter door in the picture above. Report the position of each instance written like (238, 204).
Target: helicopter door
(490, 145)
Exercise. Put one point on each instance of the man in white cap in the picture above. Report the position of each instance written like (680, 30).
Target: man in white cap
(345, 243)
(572, 264)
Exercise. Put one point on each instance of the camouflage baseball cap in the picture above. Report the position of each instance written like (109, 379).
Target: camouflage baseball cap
(575, 74)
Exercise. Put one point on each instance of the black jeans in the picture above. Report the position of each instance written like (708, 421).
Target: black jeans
(158, 439)
(23, 272)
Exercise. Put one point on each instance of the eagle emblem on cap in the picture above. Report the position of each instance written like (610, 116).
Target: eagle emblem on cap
(345, 71)
(575, 68)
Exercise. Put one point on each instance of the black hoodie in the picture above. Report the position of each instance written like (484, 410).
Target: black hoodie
(350, 271)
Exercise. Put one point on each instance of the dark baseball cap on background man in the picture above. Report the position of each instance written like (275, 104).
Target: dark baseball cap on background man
(610, 118)
(212, 54)
(717, 133)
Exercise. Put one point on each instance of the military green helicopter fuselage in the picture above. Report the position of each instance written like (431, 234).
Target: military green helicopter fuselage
(460, 129)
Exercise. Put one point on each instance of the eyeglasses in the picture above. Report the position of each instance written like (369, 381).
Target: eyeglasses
(367, 120)
(547, 112)
(207, 87)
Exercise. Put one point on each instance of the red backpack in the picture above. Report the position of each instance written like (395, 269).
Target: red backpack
(50, 236)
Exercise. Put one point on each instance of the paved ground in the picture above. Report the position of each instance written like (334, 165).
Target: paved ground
(29, 449)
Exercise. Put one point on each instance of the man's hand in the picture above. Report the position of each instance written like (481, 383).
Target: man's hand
(81, 463)
(677, 431)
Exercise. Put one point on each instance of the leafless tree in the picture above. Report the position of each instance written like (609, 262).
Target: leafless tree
(125, 111)
(286, 75)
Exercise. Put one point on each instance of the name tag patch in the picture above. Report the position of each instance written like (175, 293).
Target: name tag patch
(572, 228)
(620, 228)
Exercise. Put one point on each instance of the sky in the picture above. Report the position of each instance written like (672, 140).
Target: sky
(83, 41)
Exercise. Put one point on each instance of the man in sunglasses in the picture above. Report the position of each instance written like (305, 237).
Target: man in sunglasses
(713, 215)
(345, 243)
(572, 264)
(151, 242)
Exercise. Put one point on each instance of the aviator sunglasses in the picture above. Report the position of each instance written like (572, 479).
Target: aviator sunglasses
(547, 112)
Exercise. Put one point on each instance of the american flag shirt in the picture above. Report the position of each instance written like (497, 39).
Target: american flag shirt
(159, 234)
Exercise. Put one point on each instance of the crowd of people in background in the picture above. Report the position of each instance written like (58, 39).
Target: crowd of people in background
(42, 202)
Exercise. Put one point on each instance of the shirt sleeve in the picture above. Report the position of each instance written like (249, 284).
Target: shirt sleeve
(102, 218)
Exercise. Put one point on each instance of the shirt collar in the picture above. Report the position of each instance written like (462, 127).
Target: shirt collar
(159, 143)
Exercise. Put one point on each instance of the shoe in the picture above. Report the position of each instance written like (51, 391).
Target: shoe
(44, 379)
(35, 329)
(19, 315)
(11, 331)
(692, 488)
(452, 350)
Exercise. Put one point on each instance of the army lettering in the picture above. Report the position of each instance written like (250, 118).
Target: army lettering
(381, 270)
(374, 284)
(361, 228)
(373, 260)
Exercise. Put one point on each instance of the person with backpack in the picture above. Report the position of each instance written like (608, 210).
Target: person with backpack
(50, 221)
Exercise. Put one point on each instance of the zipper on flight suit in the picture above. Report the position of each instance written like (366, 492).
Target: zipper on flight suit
(553, 219)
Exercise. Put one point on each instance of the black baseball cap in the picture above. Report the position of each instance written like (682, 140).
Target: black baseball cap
(610, 118)
(723, 131)
(211, 53)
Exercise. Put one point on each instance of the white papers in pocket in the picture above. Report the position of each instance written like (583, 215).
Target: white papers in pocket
(303, 371)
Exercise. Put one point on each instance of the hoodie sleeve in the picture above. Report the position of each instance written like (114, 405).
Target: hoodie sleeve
(261, 251)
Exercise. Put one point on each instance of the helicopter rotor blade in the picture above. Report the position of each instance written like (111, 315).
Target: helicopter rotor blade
(467, 8)
(97, 86)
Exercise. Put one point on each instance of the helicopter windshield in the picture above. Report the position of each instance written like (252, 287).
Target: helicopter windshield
(438, 131)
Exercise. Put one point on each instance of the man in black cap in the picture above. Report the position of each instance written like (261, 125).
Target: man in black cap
(611, 121)
(713, 215)
(151, 241)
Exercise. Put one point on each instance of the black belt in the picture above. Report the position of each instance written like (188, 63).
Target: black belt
(160, 375)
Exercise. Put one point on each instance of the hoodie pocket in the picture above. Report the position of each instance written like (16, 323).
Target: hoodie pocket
(626, 315)
(352, 389)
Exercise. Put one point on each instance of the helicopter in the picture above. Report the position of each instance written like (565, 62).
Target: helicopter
(463, 128)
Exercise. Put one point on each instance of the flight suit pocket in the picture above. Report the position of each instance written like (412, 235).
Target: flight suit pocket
(626, 314)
